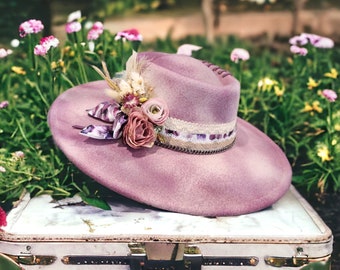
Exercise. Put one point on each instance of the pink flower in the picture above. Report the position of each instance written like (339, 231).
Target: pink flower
(131, 35)
(239, 54)
(73, 27)
(49, 42)
(93, 35)
(40, 50)
(187, 49)
(298, 50)
(2, 169)
(4, 104)
(156, 110)
(30, 27)
(96, 30)
(19, 154)
(45, 44)
(4, 53)
(330, 95)
(139, 132)
(3, 221)
(98, 26)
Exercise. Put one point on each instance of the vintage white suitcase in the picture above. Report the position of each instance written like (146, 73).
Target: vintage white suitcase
(45, 234)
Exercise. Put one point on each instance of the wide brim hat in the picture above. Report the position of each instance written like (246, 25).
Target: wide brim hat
(242, 172)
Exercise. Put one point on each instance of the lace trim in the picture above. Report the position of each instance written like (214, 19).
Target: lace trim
(181, 126)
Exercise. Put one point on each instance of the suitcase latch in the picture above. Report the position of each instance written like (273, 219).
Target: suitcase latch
(33, 259)
(298, 260)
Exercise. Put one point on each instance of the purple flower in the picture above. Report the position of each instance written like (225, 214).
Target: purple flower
(73, 27)
(330, 95)
(315, 40)
(4, 104)
(298, 50)
(239, 54)
(323, 42)
(30, 27)
(131, 35)
(299, 40)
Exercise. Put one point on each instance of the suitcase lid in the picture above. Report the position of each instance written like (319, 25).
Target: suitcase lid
(290, 220)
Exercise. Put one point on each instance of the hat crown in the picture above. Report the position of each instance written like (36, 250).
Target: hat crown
(194, 91)
(202, 100)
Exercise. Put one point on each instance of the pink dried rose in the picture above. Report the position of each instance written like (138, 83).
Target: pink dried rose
(139, 132)
(3, 221)
(156, 110)
(330, 95)
(239, 54)
(30, 27)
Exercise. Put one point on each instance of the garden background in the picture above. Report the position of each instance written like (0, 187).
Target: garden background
(282, 90)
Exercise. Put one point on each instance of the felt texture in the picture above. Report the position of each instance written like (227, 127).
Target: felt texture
(252, 175)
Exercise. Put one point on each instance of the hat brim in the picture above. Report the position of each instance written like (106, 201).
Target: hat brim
(250, 176)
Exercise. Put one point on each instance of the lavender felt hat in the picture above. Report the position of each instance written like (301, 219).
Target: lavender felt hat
(169, 136)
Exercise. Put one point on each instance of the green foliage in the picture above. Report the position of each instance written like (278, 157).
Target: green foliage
(30, 83)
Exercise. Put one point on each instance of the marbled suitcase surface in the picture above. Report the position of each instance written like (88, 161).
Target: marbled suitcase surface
(47, 234)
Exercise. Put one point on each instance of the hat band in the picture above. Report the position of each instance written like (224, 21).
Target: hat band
(196, 138)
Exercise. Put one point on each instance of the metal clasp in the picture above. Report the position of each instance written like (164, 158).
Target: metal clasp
(33, 259)
(297, 260)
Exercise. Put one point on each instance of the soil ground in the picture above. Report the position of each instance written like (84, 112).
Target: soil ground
(242, 24)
